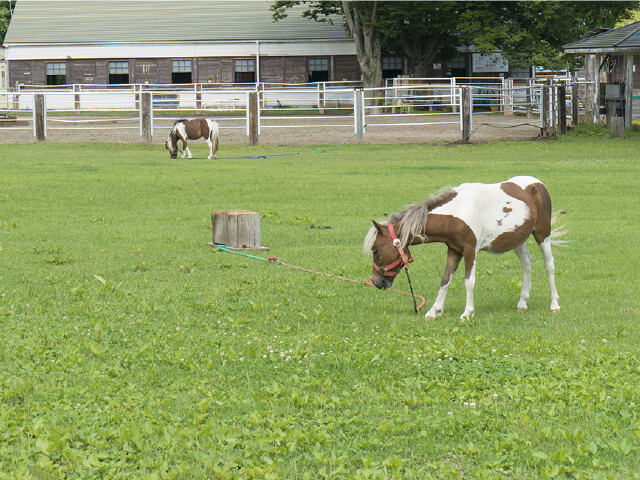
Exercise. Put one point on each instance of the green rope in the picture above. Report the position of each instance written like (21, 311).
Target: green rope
(346, 141)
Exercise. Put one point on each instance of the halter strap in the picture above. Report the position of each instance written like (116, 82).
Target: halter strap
(404, 259)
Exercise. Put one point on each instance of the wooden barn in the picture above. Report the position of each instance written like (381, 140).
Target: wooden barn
(100, 42)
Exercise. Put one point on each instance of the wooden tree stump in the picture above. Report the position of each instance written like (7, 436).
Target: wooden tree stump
(238, 229)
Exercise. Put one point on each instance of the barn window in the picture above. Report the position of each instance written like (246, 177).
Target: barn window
(181, 71)
(318, 70)
(118, 72)
(56, 73)
(245, 70)
(458, 66)
(391, 67)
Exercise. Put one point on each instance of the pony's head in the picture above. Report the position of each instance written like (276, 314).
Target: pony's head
(389, 254)
(172, 143)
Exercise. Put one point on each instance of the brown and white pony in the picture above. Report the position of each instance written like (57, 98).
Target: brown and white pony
(193, 129)
(469, 218)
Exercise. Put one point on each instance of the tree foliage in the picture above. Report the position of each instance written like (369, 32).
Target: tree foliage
(533, 33)
(526, 32)
(6, 8)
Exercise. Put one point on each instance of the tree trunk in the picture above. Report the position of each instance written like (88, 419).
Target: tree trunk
(368, 42)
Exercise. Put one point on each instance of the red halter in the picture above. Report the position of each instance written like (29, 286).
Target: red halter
(402, 259)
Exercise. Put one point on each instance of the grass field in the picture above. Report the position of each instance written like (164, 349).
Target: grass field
(131, 349)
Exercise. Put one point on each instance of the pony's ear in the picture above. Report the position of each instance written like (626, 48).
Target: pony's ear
(378, 226)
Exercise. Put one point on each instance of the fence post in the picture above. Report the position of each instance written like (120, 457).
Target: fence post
(465, 108)
(145, 116)
(76, 90)
(358, 113)
(508, 96)
(252, 107)
(39, 122)
(198, 98)
(562, 108)
(574, 103)
(321, 98)
(531, 84)
(544, 112)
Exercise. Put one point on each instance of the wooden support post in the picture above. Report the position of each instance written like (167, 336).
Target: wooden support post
(198, 98)
(253, 117)
(575, 104)
(39, 117)
(616, 125)
(76, 91)
(146, 116)
(321, 98)
(239, 229)
(544, 113)
(465, 108)
(562, 109)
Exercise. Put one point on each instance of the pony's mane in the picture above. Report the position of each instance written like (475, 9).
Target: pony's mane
(410, 220)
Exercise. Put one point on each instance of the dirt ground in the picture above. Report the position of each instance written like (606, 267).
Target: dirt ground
(322, 131)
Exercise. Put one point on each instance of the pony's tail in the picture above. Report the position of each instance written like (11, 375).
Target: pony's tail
(558, 231)
(214, 134)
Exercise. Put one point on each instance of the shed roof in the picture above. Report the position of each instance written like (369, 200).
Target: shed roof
(624, 39)
(140, 21)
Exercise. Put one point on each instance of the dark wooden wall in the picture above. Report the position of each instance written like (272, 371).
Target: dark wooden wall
(288, 69)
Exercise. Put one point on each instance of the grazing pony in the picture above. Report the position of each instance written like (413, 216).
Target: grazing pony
(193, 129)
(471, 217)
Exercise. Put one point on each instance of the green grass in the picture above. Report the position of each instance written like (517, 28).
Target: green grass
(130, 349)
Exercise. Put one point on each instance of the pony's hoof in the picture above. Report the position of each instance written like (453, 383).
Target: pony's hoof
(555, 310)
(429, 318)
(522, 309)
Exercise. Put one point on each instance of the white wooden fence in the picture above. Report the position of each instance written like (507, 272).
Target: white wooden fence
(405, 102)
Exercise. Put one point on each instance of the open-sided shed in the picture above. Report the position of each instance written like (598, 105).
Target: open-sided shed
(617, 48)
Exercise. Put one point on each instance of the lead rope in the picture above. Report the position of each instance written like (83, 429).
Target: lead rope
(415, 306)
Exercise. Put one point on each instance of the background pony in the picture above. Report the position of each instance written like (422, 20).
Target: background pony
(193, 129)
(469, 218)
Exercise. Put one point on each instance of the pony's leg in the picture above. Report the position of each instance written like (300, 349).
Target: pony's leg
(525, 260)
(453, 259)
(469, 285)
(549, 266)
(210, 144)
(185, 149)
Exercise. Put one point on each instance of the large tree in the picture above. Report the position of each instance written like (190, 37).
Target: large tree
(423, 32)
(526, 32)
(365, 21)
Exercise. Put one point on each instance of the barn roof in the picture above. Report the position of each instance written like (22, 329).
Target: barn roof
(624, 40)
(139, 21)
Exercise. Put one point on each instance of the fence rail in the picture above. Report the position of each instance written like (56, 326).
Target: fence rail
(405, 102)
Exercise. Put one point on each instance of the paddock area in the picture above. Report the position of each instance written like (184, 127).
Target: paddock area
(487, 128)
(131, 348)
